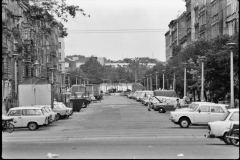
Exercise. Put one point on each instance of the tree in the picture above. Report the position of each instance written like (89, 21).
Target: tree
(93, 70)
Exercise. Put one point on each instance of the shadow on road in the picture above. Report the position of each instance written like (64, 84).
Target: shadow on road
(191, 127)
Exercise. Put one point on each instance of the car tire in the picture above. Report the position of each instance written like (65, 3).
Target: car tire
(161, 110)
(58, 116)
(10, 128)
(226, 139)
(184, 122)
(234, 142)
(67, 116)
(32, 126)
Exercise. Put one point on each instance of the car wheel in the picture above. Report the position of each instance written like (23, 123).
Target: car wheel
(161, 110)
(226, 139)
(32, 126)
(10, 128)
(233, 141)
(58, 116)
(184, 123)
(67, 116)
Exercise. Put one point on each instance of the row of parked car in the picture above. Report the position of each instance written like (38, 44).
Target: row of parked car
(36, 116)
(218, 117)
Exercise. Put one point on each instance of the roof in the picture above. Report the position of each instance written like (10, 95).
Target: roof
(25, 107)
(35, 80)
(233, 109)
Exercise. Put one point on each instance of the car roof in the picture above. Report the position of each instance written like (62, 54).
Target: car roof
(25, 107)
(233, 109)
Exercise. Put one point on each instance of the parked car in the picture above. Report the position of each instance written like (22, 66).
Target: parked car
(153, 100)
(51, 117)
(145, 94)
(191, 106)
(28, 116)
(61, 112)
(219, 129)
(201, 115)
(55, 115)
(166, 104)
(70, 110)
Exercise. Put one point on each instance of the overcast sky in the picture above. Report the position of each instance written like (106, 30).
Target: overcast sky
(118, 29)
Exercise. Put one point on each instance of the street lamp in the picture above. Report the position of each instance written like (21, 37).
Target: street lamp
(202, 59)
(76, 79)
(185, 77)
(144, 83)
(156, 80)
(147, 82)
(174, 78)
(163, 78)
(36, 65)
(231, 46)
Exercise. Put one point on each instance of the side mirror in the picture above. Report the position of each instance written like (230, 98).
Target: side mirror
(199, 110)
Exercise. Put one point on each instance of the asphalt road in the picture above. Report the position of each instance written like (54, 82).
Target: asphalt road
(117, 127)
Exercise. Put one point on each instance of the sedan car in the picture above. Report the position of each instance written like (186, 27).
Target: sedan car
(70, 110)
(191, 106)
(219, 129)
(28, 116)
(201, 115)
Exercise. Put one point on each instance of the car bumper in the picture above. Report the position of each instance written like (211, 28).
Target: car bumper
(210, 135)
(173, 120)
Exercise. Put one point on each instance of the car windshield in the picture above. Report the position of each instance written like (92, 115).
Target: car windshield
(194, 109)
(225, 116)
(158, 100)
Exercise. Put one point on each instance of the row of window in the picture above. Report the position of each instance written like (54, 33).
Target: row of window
(25, 112)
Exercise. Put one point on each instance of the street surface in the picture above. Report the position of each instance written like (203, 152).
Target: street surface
(117, 127)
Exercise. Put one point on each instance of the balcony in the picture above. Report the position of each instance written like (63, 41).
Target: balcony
(196, 23)
(53, 53)
(49, 65)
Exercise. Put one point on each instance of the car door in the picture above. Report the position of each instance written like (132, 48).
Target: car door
(17, 116)
(27, 116)
(216, 113)
(202, 115)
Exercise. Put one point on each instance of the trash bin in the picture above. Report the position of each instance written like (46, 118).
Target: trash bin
(77, 104)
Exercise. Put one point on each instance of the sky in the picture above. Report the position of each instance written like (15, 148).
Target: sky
(118, 29)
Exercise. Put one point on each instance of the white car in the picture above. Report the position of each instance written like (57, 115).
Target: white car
(51, 116)
(62, 105)
(29, 116)
(201, 115)
(219, 129)
(55, 115)
(191, 106)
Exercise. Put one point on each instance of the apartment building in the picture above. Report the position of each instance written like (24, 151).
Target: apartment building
(30, 46)
(205, 19)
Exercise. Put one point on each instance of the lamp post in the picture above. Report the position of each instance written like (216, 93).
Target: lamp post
(150, 82)
(202, 59)
(80, 79)
(36, 64)
(144, 83)
(156, 80)
(147, 82)
(231, 45)
(76, 79)
(174, 78)
(185, 77)
(163, 78)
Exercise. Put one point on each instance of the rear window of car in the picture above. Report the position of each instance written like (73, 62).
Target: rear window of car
(235, 116)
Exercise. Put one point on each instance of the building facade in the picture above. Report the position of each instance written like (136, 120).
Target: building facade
(204, 19)
(30, 46)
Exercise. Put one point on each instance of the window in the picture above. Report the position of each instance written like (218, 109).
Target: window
(235, 116)
(59, 45)
(216, 109)
(15, 113)
(30, 112)
(205, 108)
